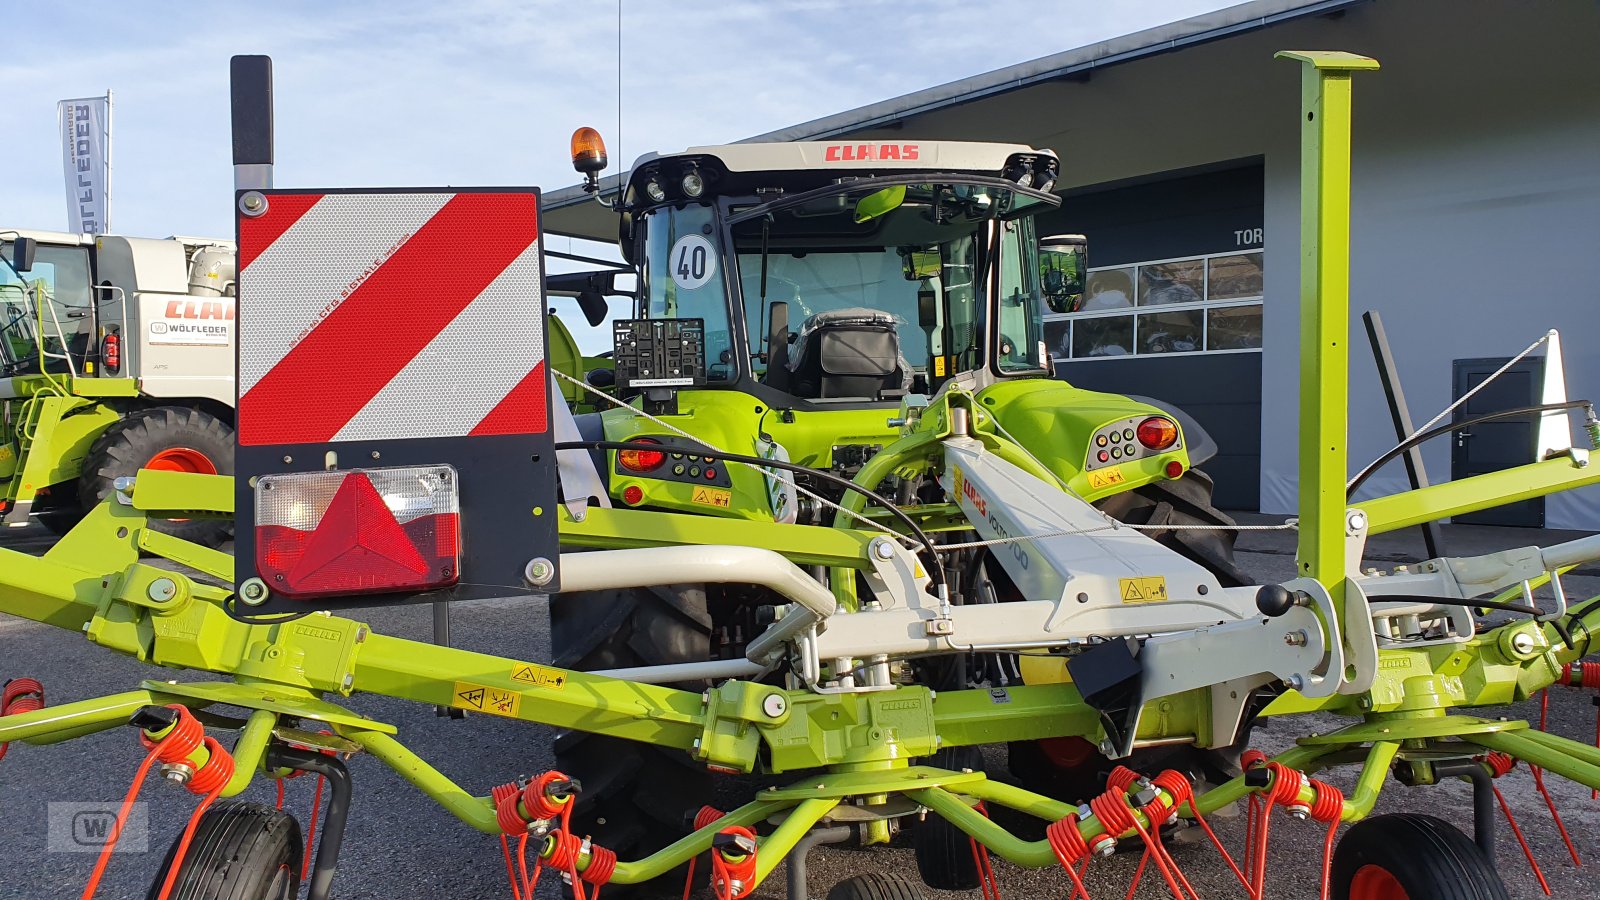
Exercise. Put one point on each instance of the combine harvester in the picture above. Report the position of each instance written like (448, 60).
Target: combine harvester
(866, 544)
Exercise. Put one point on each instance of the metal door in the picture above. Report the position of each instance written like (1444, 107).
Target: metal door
(1501, 444)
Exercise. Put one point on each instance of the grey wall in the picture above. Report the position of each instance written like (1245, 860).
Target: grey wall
(1476, 196)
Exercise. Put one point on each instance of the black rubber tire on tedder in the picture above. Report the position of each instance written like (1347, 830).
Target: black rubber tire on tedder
(635, 795)
(240, 851)
(180, 432)
(1414, 856)
(876, 886)
(943, 851)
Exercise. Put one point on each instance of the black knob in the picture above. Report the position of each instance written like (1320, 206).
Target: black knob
(1274, 600)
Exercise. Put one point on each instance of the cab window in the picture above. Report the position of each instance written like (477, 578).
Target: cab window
(682, 279)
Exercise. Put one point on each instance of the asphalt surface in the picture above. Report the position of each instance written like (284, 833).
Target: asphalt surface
(400, 845)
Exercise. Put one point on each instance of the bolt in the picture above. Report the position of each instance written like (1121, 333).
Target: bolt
(349, 680)
(162, 589)
(1295, 681)
(539, 571)
(1300, 813)
(1355, 521)
(253, 592)
(177, 773)
(1104, 846)
(696, 747)
(882, 550)
(775, 705)
(1402, 570)
(376, 455)
(361, 633)
(1297, 638)
(253, 203)
(1522, 642)
(1107, 748)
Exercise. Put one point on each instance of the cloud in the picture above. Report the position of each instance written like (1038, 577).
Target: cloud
(476, 91)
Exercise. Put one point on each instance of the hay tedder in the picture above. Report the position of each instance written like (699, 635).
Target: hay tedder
(840, 556)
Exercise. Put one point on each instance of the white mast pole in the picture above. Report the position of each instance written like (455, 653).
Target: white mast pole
(106, 225)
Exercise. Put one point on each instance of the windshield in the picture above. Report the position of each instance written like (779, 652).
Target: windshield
(60, 277)
(681, 279)
(910, 250)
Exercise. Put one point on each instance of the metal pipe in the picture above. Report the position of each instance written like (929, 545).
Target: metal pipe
(333, 821)
(788, 835)
(1547, 754)
(83, 717)
(601, 570)
(667, 674)
(248, 750)
(798, 887)
(1482, 798)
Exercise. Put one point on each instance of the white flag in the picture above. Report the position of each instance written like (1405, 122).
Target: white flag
(86, 161)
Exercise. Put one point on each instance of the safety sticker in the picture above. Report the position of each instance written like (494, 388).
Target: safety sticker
(1100, 478)
(1148, 589)
(543, 676)
(693, 261)
(710, 496)
(479, 698)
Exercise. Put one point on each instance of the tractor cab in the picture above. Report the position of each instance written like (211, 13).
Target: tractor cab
(47, 305)
(845, 274)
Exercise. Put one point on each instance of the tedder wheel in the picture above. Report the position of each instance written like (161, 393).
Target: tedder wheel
(944, 852)
(876, 886)
(1412, 857)
(240, 851)
(172, 438)
(635, 795)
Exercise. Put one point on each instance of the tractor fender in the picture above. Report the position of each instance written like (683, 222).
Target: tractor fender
(1201, 445)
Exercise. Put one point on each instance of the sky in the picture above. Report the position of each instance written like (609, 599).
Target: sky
(475, 92)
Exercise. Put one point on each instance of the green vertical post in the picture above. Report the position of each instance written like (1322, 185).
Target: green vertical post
(1324, 308)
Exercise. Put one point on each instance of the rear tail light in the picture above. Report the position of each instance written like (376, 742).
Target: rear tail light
(111, 352)
(364, 531)
(1158, 433)
(642, 460)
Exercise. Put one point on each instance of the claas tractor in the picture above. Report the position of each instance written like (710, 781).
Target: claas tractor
(833, 290)
(831, 526)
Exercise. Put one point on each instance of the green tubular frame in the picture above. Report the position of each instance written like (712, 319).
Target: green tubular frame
(93, 581)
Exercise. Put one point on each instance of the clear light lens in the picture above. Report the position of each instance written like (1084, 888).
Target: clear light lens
(655, 190)
(1048, 183)
(321, 534)
(1025, 179)
(693, 184)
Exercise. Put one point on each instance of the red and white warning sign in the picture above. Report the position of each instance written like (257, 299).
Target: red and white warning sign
(393, 315)
(394, 440)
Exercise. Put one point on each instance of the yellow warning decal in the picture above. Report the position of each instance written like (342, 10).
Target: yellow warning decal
(710, 496)
(480, 698)
(1149, 589)
(543, 676)
(938, 367)
(1100, 478)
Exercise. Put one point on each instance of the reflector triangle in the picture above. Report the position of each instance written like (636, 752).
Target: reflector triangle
(359, 536)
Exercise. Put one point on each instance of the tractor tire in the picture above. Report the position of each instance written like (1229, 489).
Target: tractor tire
(876, 886)
(1407, 855)
(240, 851)
(635, 796)
(173, 438)
(1186, 501)
(943, 851)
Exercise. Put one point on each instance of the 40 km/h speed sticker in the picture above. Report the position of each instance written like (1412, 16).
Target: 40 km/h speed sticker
(693, 261)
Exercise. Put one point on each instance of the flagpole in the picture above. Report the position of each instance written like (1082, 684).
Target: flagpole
(106, 225)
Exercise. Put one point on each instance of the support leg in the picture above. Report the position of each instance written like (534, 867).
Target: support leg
(333, 822)
(798, 889)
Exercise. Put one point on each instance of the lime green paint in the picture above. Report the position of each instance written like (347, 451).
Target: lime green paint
(1486, 491)
(612, 529)
(1324, 309)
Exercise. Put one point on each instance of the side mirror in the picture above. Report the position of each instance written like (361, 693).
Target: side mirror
(594, 307)
(22, 251)
(927, 308)
(601, 378)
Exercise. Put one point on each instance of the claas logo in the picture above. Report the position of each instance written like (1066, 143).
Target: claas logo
(220, 310)
(859, 152)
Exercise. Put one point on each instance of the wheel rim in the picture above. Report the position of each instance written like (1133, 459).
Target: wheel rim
(1376, 883)
(182, 459)
(282, 885)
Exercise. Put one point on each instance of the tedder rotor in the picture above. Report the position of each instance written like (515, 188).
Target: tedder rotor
(831, 523)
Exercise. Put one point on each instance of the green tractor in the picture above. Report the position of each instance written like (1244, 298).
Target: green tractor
(832, 290)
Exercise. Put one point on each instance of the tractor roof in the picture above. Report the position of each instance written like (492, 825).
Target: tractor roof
(877, 155)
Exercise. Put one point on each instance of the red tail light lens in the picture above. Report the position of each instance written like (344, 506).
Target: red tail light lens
(641, 460)
(111, 352)
(323, 534)
(1158, 433)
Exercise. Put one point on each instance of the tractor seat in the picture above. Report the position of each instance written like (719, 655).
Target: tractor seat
(848, 354)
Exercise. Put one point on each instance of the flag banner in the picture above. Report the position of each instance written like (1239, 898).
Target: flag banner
(86, 161)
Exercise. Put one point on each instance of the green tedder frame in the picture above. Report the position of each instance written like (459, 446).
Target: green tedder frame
(93, 580)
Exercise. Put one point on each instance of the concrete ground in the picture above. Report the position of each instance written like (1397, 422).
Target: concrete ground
(400, 845)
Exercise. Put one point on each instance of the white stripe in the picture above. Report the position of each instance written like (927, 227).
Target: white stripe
(298, 280)
(473, 363)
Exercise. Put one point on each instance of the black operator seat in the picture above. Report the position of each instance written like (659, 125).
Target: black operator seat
(849, 353)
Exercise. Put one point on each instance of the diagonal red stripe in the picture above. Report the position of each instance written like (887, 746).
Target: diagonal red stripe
(523, 411)
(387, 319)
(257, 233)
